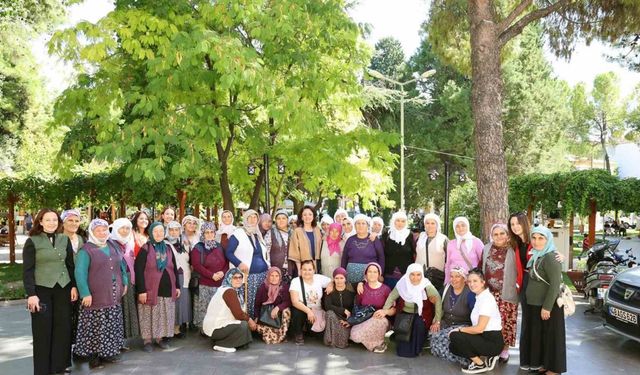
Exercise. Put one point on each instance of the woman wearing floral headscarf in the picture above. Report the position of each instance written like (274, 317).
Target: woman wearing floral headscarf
(101, 277)
(226, 323)
(465, 251)
(157, 287)
(331, 253)
(209, 261)
(247, 251)
(71, 228)
(431, 250)
(183, 303)
(122, 239)
(274, 292)
(226, 228)
(399, 249)
(190, 232)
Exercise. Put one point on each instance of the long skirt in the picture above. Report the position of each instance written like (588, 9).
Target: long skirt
(205, 293)
(157, 321)
(100, 332)
(75, 313)
(334, 333)
(254, 282)
(440, 347)
(544, 341)
(232, 335)
(370, 333)
(413, 347)
(355, 272)
(509, 315)
(272, 335)
(130, 313)
(183, 303)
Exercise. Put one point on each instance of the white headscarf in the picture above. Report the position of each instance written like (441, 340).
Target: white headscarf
(224, 228)
(413, 293)
(115, 227)
(361, 217)
(353, 228)
(326, 219)
(340, 211)
(378, 220)
(399, 236)
(468, 237)
(435, 218)
(250, 229)
(92, 226)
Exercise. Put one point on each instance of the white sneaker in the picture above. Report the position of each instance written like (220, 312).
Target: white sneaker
(224, 349)
(388, 334)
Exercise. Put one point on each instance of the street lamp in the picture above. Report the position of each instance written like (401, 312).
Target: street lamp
(433, 176)
(251, 170)
(378, 75)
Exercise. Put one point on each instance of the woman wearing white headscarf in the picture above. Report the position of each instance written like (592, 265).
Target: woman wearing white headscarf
(465, 250)
(377, 227)
(247, 251)
(122, 238)
(190, 232)
(431, 250)
(101, 277)
(324, 223)
(348, 228)
(399, 249)
(181, 255)
(226, 228)
(340, 215)
(413, 293)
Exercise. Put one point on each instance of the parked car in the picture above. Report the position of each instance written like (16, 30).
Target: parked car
(622, 304)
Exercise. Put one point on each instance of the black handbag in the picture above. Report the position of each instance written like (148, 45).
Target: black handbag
(266, 319)
(433, 274)
(403, 326)
(361, 314)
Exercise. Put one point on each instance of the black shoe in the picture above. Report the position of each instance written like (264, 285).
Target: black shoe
(162, 344)
(147, 348)
(475, 369)
(95, 363)
(112, 359)
(180, 335)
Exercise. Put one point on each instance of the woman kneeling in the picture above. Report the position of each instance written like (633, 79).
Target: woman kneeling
(273, 299)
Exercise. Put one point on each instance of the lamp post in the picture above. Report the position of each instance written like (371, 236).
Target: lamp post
(462, 177)
(378, 75)
(251, 170)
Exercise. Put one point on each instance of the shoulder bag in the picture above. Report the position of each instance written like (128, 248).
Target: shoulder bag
(432, 273)
(565, 297)
(403, 325)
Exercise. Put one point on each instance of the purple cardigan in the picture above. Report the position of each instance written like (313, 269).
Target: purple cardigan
(101, 271)
(283, 300)
(362, 251)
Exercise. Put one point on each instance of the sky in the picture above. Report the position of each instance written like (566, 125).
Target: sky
(401, 19)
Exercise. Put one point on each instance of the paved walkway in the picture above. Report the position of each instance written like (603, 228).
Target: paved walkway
(591, 349)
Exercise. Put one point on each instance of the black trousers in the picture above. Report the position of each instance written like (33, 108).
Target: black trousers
(488, 343)
(543, 341)
(51, 329)
(298, 321)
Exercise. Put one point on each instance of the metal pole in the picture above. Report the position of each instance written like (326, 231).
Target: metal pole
(267, 207)
(402, 206)
(446, 198)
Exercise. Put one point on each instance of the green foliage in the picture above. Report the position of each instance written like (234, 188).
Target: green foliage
(11, 285)
(463, 201)
(388, 57)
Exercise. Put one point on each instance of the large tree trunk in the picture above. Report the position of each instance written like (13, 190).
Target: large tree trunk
(225, 186)
(486, 104)
(255, 196)
(593, 211)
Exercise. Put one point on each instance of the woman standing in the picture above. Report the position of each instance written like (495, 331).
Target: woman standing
(465, 251)
(226, 323)
(273, 294)
(377, 227)
(332, 246)
(209, 261)
(190, 232)
(122, 239)
(370, 333)
(157, 287)
(339, 304)
(399, 249)
(543, 345)
(324, 224)
(102, 282)
(501, 271)
(340, 215)
(457, 303)
(140, 224)
(348, 229)
(431, 250)
(484, 337)
(167, 215)
(277, 240)
(181, 255)
(226, 228)
(247, 251)
(413, 291)
(265, 223)
(359, 251)
(70, 228)
(306, 300)
(306, 239)
(48, 275)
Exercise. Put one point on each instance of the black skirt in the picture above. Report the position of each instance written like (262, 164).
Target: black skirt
(543, 342)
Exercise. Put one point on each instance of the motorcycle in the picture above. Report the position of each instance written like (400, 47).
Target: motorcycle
(603, 264)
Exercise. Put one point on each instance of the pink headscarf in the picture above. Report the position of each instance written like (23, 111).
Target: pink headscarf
(272, 290)
(334, 245)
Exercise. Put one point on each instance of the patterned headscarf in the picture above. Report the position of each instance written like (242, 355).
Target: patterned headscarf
(159, 246)
(272, 290)
(264, 218)
(226, 282)
(250, 229)
(376, 265)
(92, 238)
(504, 228)
(171, 225)
(67, 213)
(208, 244)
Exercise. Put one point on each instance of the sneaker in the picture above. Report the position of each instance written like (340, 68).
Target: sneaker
(299, 339)
(147, 348)
(380, 348)
(491, 362)
(475, 369)
(224, 349)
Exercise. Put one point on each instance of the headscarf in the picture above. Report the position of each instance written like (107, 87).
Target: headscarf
(159, 246)
(459, 270)
(293, 218)
(339, 211)
(353, 228)
(548, 247)
(410, 292)
(189, 240)
(226, 282)
(500, 226)
(225, 228)
(334, 245)
(115, 227)
(326, 219)
(376, 265)
(435, 218)
(67, 213)
(378, 220)
(468, 237)
(277, 232)
(172, 224)
(208, 244)
(272, 290)
(399, 236)
(339, 271)
(250, 229)
(92, 238)
(264, 217)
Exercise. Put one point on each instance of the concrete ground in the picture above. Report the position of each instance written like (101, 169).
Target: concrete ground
(591, 349)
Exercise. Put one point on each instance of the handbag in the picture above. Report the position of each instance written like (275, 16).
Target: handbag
(361, 314)
(194, 282)
(433, 274)
(266, 319)
(403, 325)
(565, 297)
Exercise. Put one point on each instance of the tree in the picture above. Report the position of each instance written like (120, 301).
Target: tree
(388, 57)
(483, 28)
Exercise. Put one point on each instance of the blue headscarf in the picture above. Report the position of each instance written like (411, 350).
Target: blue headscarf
(159, 246)
(548, 248)
(226, 282)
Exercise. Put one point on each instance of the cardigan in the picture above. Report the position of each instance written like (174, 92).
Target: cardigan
(454, 258)
(510, 283)
(300, 246)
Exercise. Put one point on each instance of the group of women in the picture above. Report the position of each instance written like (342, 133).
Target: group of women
(347, 280)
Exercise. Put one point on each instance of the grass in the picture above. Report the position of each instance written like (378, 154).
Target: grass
(11, 282)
